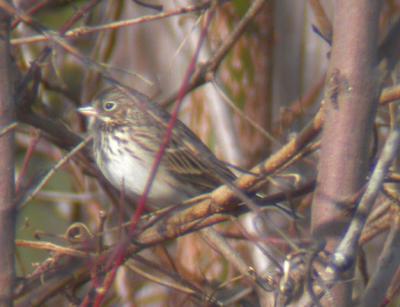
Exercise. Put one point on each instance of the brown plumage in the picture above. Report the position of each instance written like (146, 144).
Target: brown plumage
(128, 130)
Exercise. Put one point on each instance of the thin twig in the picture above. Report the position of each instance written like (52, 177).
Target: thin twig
(78, 32)
(250, 121)
(205, 72)
(347, 248)
(385, 269)
(324, 25)
(8, 128)
(157, 160)
(223, 247)
(47, 246)
(53, 170)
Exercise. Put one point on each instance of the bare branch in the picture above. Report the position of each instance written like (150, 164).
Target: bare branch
(350, 102)
(385, 269)
(7, 186)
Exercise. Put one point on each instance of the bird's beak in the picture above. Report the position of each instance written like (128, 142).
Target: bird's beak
(87, 111)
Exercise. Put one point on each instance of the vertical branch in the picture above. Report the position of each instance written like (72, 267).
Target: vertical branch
(350, 104)
(7, 208)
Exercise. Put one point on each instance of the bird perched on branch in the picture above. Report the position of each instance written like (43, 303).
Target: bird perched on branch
(128, 130)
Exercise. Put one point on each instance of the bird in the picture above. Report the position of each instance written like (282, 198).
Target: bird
(128, 129)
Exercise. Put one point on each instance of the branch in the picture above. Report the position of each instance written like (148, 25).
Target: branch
(7, 187)
(344, 257)
(386, 268)
(206, 72)
(351, 97)
(81, 31)
(204, 211)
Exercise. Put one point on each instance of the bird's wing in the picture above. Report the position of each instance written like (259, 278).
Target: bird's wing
(188, 158)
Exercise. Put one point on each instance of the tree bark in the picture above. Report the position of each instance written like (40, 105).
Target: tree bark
(350, 106)
(7, 205)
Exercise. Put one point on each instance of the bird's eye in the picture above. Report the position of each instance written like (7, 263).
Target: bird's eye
(109, 105)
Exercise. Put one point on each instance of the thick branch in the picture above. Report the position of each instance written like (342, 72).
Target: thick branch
(351, 97)
(7, 206)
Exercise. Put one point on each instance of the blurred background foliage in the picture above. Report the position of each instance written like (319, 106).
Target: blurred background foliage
(273, 77)
(274, 64)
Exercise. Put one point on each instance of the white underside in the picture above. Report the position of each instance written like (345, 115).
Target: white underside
(131, 175)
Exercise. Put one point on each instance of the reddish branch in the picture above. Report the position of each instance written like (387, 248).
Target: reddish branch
(167, 137)
(350, 107)
(351, 98)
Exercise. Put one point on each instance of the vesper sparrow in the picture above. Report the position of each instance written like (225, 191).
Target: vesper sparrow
(128, 130)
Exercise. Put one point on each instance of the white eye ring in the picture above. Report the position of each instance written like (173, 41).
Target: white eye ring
(109, 105)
